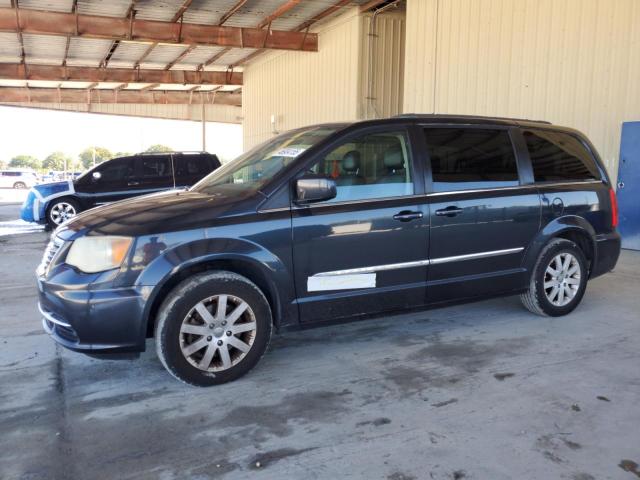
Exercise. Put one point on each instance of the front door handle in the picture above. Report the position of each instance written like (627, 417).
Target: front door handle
(450, 211)
(132, 183)
(407, 216)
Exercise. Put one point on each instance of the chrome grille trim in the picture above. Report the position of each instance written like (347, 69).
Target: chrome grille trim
(53, 247)
(50, 318)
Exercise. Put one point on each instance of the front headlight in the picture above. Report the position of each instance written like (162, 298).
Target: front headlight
(97, 254)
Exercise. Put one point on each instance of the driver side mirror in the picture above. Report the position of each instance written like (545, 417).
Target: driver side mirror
(96, 176)
(315, 189)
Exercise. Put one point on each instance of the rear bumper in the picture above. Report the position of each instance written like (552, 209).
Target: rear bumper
(93, 321)
(607, 253)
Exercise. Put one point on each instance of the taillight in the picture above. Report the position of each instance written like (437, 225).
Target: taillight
(614, 208)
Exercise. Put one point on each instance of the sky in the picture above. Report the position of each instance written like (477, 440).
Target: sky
(27, 131)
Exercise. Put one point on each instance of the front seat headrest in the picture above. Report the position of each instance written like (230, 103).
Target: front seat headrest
(351, 161)
(393, 158)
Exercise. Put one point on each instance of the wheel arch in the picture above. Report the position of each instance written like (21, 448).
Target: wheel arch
(569, 227)
(242, 264)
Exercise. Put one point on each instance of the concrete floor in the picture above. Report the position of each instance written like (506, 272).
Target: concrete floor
(480, 391)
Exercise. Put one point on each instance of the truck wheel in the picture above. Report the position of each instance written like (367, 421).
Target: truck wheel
(20, 185)
(61, 210)
(213, 328)
(558, 280)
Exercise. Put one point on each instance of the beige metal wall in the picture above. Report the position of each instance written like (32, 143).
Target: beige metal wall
(571, 62)
(381, 65)
(300, 88)
(214, 113)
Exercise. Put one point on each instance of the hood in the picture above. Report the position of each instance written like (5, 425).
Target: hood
(47, 189)
(164, 212)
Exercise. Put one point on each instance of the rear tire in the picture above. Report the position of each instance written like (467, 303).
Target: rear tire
(213, 328)
(558, 280)
(20, 185)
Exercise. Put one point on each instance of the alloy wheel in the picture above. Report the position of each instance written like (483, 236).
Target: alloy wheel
(562, 279)
(217, 333)
(61, 212)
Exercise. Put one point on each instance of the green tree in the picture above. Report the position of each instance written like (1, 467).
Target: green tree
(122, 154)
(58, 161)
(158, 149)
(25, 161)
(3, 164)
(86, 156)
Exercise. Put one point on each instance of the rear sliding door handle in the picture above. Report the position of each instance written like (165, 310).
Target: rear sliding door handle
(449, 212)
(407, 216)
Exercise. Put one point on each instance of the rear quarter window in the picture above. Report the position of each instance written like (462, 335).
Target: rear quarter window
(557, 156)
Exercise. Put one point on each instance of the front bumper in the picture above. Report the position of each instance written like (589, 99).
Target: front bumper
(93, 321)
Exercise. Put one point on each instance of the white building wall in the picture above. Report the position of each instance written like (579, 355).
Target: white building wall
(571, 62)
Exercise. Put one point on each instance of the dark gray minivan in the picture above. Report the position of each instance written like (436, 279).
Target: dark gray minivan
(333, 222)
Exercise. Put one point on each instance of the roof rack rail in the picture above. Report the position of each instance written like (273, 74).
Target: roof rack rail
(190, 152)
(449, 115)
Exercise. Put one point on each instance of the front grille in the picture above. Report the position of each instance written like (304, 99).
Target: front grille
(49, 254)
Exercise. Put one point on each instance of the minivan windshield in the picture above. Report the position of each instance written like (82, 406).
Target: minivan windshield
(253, 169)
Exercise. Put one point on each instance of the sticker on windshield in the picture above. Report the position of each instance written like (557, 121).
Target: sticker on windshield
(289, 152)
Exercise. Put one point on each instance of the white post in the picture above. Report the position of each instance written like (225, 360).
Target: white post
(204, 127)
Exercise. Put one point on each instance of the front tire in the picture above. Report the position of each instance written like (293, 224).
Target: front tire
(213, 328)
(558, 280)
(61, 210)
(20, 185)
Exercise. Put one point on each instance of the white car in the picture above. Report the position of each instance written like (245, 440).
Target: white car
(17, 178)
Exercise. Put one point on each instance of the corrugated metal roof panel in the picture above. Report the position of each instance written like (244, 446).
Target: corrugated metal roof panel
(207, 12)
(161, 10)
(253, 12)
(234, 55)
(44, 49)
(300, 13)
(112, 8)
(127, 54)
(51, 5)
(197, 56)
(87, 52)
(162, 55)
(9, 48)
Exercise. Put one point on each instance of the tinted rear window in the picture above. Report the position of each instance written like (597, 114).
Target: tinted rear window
(469, 158)
(193, 165)
(557, 156)
(156, 167)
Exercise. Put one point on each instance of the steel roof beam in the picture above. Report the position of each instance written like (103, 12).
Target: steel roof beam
(302, 27)
(92, 26)
(278, 12)
(81, 95)
(19, 71)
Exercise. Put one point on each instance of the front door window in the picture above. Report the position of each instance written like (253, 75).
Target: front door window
(377, 165)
